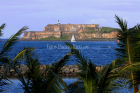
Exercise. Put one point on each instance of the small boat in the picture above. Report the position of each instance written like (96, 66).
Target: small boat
(73, 39)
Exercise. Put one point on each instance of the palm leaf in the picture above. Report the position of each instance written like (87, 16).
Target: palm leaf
(16, 58)
(53, 71)
(129, 45)
(12, 40)
(22, 80)
(49, 84)
(1, 27)
(109, 79)
(122, 24)
(88, 73)
(76, 87)
(129, 66)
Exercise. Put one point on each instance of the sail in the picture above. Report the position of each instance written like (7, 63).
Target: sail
(73, 39)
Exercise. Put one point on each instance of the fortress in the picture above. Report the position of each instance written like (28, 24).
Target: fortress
(57, 30)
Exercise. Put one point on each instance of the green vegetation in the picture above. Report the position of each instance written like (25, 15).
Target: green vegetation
(89, 32)
(91, 28)
(36, 83)
(103, 30)
(108, 29)
(5, 59)
(63, 37)
(129, 51)
(91, 80)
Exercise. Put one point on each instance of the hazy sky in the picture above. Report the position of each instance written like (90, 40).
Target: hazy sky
(36, 14)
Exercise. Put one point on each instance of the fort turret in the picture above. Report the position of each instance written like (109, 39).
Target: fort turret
(58, 22)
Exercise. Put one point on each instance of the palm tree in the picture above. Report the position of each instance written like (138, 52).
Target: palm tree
(8, 47)
(36, 83)
(129, 49)
(92, 81)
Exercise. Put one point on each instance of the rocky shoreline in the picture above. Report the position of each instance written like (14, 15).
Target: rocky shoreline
(67, 70)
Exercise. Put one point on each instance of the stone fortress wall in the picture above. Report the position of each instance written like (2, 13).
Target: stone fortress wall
(58, 29)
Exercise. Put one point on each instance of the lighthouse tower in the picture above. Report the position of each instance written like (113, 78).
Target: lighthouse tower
(58, 22)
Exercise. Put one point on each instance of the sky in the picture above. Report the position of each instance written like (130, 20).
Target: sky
(36, 14)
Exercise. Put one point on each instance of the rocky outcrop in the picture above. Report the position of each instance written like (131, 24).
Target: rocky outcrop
(57, 30)
(79, 31)
(83, 36)
(68, 27)
(34, 35)
(66, 70)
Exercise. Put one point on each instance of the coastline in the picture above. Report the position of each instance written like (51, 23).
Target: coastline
(96, 39)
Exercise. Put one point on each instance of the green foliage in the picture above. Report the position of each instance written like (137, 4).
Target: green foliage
(103, 30)
(1, 27)
(11, 41)
(63, 37)
(92, 81)
(6, 48)
(36, 83)
(89, 32)
(91, 28)
(129, 50)
(108, 29)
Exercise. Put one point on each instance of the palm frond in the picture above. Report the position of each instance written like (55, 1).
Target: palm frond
(57, 66)
(26, 88)
(129, 46)
(16, 58)
(1, 27)
(105, 81)
(55, 83)
(76, 87)
(109, 79)
(88, 73)
(12, 40)
(36, 83)
(54, 70)
(129, 66)
(122, 24)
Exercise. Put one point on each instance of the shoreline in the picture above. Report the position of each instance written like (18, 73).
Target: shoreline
(97, 39)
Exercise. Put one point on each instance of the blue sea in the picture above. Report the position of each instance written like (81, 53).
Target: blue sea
(100, 52)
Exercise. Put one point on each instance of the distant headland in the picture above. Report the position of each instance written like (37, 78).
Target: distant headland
(63, 32)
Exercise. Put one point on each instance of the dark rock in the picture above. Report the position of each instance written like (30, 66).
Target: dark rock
(67, 72)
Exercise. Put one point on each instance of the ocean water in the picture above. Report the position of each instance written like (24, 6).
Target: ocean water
(16, 86)
(100, 52)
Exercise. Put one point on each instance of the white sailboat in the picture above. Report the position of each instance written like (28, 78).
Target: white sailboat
(73, 39)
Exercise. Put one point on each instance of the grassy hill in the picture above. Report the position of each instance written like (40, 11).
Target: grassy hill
(108, 29)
